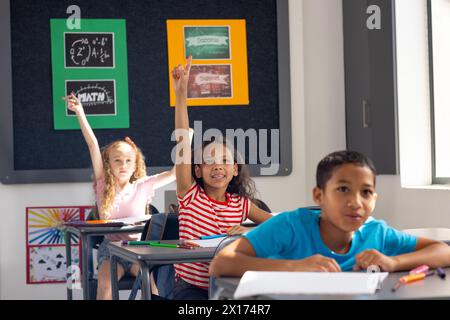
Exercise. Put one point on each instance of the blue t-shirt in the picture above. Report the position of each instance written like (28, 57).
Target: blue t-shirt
(296, 235)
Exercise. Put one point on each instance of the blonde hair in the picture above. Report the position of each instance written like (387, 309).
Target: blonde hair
(110, 182)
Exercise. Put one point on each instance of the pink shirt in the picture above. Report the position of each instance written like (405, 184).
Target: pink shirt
(130, 202)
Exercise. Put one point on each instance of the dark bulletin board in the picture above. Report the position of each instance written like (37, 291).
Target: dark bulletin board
(32, 151)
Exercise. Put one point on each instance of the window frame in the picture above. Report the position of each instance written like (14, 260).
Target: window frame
(434, 178)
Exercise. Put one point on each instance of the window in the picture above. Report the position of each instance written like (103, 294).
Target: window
(439, 58)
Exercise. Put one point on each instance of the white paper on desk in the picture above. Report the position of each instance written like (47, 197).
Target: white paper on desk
(133, 220)
(309, 283)
(207, 243)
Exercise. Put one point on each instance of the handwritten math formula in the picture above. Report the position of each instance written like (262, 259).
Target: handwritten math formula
(89, 50)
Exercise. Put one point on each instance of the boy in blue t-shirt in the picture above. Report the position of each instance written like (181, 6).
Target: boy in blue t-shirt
(340, 236)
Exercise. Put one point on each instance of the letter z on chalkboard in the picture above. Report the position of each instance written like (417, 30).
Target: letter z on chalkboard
(89, 50)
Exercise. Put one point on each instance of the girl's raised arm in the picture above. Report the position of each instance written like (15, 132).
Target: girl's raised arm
(97, 164)
(180, 77)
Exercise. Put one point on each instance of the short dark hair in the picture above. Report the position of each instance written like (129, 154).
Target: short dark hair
(336, 159)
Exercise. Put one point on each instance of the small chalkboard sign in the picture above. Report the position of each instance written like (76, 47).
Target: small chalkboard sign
(89, 50)
(97, 96)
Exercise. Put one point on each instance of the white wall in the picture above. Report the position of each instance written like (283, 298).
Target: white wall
(324, 83)
(17, 197)
(325, 117)
(318, 125)
(318, 99)
(411, 208)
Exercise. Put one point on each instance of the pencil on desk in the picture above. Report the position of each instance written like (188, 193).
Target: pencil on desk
(411, 278)
(214, 236)
(136, 243)
(396, 286)
(186, 246)
(165, 245)
(172, 245)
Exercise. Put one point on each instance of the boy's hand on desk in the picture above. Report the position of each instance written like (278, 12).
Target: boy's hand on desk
(316, 263)
(237, 229)
(373, 257)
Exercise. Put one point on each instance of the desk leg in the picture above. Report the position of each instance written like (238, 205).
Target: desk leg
(114, 285)
(146, 289)
(84, 266)
(67, 238)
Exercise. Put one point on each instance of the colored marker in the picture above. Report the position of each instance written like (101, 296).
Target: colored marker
(214, 236)
(415, 277)
(411, 278)
(420, 269)
(136, 243)
(98, 221)
(159, 244)
(165, 245)
(441, 273)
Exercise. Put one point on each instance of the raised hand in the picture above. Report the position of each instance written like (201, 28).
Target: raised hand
(73, 103)
(373, 257)
(180, 77)
(97, 163)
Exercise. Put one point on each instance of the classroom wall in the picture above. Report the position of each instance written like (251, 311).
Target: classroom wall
(318, 127)
(15, 198)
(402, 206)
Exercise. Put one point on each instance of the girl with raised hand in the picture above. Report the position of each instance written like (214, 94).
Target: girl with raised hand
(214, 194)
(122, 189)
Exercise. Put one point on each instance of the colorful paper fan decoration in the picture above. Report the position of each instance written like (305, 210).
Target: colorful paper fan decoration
(45, 225)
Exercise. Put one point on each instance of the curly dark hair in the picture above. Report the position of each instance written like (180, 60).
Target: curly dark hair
(242, 184)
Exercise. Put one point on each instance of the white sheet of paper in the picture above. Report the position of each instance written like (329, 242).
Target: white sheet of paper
(309, 283)
(133, 220)
(207, 242)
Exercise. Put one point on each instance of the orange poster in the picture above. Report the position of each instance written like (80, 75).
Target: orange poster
(219, 72)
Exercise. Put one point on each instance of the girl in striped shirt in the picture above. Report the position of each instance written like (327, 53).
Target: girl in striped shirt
(214, 193)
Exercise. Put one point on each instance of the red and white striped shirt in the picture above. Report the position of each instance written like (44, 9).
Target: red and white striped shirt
(199, 215)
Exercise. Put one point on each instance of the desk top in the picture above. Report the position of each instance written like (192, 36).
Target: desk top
(431, 288)
(161, 255)
(439, 234)
(102, 230)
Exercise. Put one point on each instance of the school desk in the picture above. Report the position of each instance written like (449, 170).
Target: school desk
(148, 256)
(439, 234)
(431, 287)
(86, 253)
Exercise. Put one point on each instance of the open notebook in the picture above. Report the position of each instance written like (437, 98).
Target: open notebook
(207, 243)
(255, 283)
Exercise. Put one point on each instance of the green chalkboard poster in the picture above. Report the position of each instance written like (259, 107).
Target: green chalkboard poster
(91, 62)
(204, 42)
